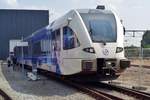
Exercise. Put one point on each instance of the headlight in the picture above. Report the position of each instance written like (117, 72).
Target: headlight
(89, 49)
(119, 49)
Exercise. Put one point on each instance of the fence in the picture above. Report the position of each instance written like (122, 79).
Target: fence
(137, 53)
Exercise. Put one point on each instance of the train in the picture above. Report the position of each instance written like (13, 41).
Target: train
(84, 43)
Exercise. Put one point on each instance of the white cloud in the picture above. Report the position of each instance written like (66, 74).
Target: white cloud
(12, 3)
(31, 7)
(110, 2)
(75, 1)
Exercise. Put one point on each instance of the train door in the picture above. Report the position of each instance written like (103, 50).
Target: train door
(70, 51)
(56, 54)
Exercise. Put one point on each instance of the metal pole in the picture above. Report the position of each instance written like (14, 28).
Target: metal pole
(22, 56)
(140, 66)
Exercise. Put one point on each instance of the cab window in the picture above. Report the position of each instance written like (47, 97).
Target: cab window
(70, 40)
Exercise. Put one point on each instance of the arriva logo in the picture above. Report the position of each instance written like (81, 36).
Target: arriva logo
(105, 52)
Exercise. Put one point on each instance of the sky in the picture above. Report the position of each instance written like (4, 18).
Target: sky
(134, 13)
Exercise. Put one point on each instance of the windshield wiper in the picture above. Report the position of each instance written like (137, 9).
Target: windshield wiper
(104, 42)
(101, 41)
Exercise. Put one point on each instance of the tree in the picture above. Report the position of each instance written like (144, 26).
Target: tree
(145, 43)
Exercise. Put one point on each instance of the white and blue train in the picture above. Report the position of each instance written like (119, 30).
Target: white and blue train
(83, 42)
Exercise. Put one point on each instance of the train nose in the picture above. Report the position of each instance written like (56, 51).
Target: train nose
(105, 51)
(105, 65)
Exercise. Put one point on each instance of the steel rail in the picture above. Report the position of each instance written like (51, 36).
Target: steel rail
(144, 66)
(97, 94)
(130, 92)
(4, 95)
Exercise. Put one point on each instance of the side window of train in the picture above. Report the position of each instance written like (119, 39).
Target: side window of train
(36, 48)
(56, 40)
(70, 40)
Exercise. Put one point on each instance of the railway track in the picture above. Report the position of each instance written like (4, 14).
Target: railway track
(95, 93)
(126, 91)
(144, 66)
(4, 96)
(93, 89)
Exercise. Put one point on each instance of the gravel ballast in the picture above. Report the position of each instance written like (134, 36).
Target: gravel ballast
(19, 87)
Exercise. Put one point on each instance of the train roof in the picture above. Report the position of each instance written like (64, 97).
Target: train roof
(92, 11)
(41, 33)
(38, 35)
(75, 11)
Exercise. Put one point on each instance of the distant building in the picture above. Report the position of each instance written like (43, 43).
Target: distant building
(17, 23)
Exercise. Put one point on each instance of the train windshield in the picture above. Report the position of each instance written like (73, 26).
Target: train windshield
(101, 26)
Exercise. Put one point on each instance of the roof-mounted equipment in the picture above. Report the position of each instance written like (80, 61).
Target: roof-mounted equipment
(102, 7)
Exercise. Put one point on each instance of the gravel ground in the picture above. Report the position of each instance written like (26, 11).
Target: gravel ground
(19, 88)
(145, 62)
(135, 76)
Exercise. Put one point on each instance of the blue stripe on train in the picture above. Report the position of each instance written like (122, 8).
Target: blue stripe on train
(43, 60)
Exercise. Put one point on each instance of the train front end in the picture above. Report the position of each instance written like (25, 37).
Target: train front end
(106, 33)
